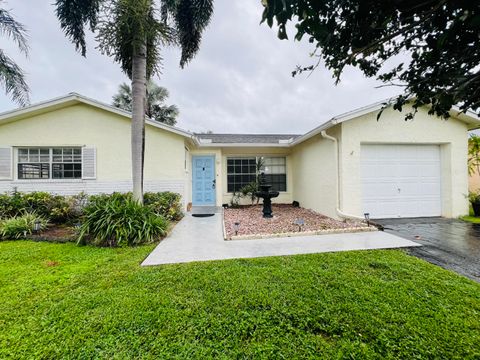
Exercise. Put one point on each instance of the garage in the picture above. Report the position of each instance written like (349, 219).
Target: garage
(401, 180)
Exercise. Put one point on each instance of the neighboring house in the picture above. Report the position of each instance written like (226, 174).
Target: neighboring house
(474, 178)
(474, 182)
(350, 165)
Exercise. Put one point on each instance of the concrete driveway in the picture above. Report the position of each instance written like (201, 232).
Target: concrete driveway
(450, 243)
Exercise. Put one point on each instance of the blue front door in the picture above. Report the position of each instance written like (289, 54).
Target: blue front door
(203, 186)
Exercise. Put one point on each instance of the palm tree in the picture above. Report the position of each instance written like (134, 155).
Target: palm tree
(155, 109)
(132, 32)
(11, 75)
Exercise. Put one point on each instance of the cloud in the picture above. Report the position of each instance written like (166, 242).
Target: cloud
(240, 81)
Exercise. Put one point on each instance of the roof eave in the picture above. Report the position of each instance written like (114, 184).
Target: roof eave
(210, 145)
(73, 98)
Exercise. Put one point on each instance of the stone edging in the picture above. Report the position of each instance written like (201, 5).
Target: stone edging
(297, 234)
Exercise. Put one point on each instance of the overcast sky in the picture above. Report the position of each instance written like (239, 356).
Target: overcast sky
(240, 81)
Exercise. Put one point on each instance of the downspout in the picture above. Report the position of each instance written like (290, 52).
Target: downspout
(340, 213)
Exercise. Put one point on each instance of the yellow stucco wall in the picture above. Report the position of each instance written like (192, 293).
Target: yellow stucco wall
(83, 125)
(450, 134)
(221, 155)
(311, 168)
(314, 174)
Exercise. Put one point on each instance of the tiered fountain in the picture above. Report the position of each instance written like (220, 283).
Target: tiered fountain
(267, 196)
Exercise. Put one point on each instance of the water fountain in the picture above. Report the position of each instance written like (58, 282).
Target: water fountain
(266, 194)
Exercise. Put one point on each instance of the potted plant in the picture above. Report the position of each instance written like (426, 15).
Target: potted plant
(474, 198)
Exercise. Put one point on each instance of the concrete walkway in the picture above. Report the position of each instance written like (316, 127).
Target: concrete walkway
(201, 239)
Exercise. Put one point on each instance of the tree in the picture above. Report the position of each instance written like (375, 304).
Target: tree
(473, 154)
(155, 109)
(440, 37)
(132, 32)
(11, 75)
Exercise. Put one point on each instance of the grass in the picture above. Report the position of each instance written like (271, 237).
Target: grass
(64, 301)
(471, 219)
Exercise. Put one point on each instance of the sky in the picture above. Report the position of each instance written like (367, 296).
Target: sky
(239, 82)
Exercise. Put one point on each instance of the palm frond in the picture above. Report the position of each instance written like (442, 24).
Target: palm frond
(123, 99)
(14, 30)
(74, 16)
(156, 108)
(191, 18)
(13, 80)
(156, 94)
(130, 23)
(166, 114)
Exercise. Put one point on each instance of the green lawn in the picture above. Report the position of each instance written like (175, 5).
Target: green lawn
(64, 301)
(472, 219)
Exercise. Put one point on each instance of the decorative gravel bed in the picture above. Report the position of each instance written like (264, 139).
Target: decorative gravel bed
(253, 225)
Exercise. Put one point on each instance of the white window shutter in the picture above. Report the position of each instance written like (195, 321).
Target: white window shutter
(6, 172)
(89, 163)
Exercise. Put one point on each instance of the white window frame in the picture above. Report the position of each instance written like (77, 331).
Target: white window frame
(256, 159)
(51, 162)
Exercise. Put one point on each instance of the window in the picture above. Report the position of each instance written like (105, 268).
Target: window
(33, 163)
(275, 172)
(50, 163)
(66, 163)
(242, 171)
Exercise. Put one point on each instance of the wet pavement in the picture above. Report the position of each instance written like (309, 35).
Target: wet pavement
(450, 243)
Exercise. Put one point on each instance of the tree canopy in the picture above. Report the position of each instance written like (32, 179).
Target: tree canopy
(133, 33)
(11, 75)
(156, 109)
(121, 26)
(439, 41)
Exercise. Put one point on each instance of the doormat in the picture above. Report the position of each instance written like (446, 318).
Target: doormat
(202, 215)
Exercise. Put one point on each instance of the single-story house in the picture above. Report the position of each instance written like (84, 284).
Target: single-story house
(347, 166)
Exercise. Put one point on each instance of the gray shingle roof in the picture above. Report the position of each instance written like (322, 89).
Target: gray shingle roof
(245, 138)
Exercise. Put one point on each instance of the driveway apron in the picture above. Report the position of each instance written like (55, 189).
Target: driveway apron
(450, 243)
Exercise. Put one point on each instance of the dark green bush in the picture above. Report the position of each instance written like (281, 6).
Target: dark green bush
(57, 208)
(167, 204)
(11, 205)
(20, 226)
(66, 209)
(117, 220)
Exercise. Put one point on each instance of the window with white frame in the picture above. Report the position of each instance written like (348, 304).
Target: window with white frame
(275, 169)
(49, 163)
(242, 171)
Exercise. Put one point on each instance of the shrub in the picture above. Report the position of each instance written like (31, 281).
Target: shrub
(250, 191)
(236, 198)
(21, 226)
(117, 220)
(66, 209)
(12, 205)
(57, 208)
(165, 203)
(474, 196)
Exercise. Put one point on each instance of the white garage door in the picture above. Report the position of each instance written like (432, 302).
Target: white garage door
(401, 180)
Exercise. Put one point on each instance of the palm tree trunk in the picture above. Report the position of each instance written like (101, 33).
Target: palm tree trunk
(139, 92)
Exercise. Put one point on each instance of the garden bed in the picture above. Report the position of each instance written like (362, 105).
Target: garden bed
(57, 233)
(252, 225)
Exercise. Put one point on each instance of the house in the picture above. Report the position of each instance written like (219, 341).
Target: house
(347, 166)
